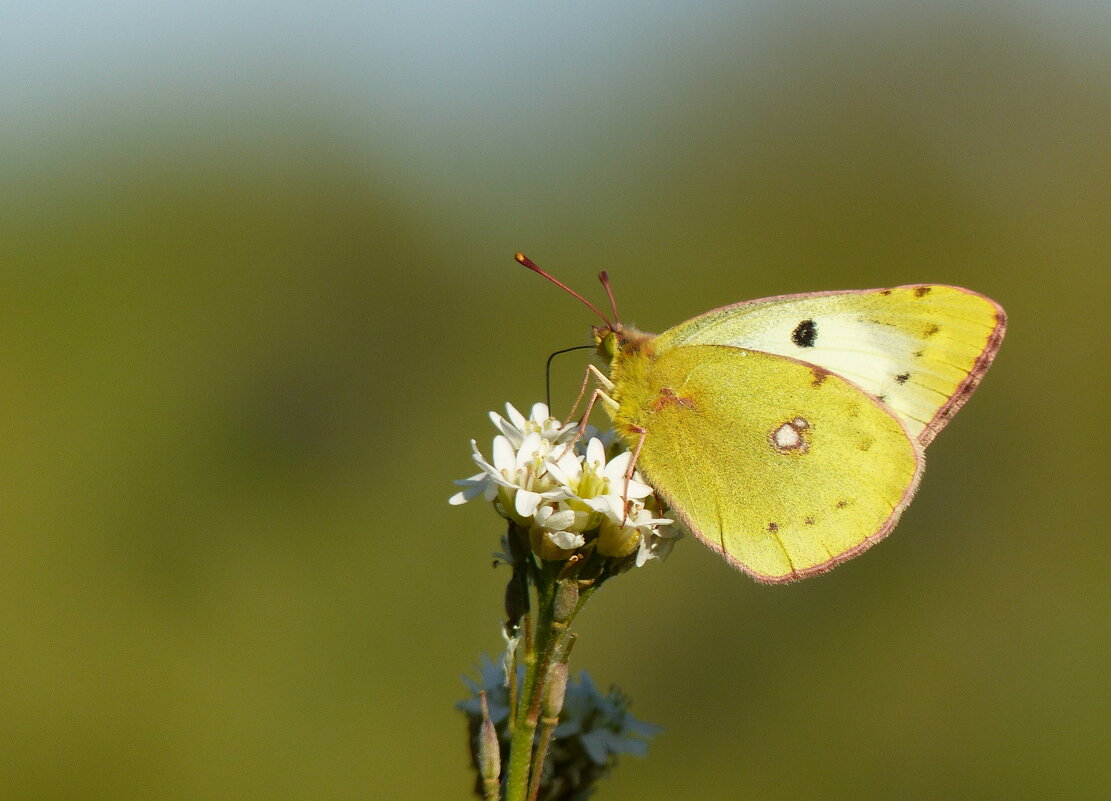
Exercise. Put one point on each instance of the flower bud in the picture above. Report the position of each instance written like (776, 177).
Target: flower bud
(489, 750)
(547, 550)
(555, 689)
(617, 541)
(566, 599)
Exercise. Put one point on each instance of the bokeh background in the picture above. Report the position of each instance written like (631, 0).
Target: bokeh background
(257, 294)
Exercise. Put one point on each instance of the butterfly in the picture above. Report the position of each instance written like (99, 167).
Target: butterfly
(788, 433)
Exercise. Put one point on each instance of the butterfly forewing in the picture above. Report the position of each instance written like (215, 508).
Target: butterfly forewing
(920, 350)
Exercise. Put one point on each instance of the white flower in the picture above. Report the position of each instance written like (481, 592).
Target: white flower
(599, 484)
(518, 476)
(558, 524)
(539, 421)
(636, 525)
(657, 538)
(542, 476)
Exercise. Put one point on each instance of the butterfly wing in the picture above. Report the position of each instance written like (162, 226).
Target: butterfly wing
(784, 468)
(920, 350)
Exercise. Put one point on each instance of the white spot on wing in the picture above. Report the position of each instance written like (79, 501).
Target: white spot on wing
(788, 437)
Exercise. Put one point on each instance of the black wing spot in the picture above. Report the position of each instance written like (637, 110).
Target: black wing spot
(805, 334)
(809, 521)
(902, 378)
(881, 398)
(922, 291)
(773, 527)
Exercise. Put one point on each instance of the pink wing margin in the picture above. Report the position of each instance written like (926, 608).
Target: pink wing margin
(975, 375)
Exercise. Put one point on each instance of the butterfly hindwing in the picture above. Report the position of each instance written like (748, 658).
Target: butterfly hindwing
(782, 466)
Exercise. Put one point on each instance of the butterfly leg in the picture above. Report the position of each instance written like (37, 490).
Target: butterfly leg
(600, 377)
(643, 432)
(599, 392)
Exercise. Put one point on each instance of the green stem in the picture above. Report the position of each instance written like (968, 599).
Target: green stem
(544, 649)
(538, 661)
(552, 654)
(547, 726)
(551, 707)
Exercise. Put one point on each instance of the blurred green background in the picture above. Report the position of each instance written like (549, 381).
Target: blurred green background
(257, 294)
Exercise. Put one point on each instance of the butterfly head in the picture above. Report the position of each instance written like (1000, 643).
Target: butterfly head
(616, 341)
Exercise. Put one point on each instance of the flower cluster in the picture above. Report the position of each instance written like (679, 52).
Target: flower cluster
(566, 490)
(594, 729)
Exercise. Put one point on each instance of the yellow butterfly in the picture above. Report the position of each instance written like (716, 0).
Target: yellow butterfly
(788, 433)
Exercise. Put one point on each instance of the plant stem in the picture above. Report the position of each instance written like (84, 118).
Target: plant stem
(552, 654)
(547, 726)
(538, 662)
(551, 707)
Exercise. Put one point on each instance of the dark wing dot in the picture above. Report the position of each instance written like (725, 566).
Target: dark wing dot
(809, 521)
(818, 376)
(842, 504)
(931, 330)
(922, 291)
(902, 378)
(773, 527)
(805, 334)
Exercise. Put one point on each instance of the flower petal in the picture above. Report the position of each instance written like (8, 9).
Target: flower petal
(566, 540)
(514, 435)
(532, 445)
(596, 452)
(472, 488)
(618, 466)
(516, 417)
(539, 414)
(505, 455)
(566, 432)
(526, 502)
(560, 520)
(612, 506)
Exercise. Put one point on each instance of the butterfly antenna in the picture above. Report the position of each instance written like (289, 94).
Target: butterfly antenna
(605, 279)
(527, 262)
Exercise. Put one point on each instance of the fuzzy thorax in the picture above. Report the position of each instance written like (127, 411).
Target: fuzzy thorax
(630, 356)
